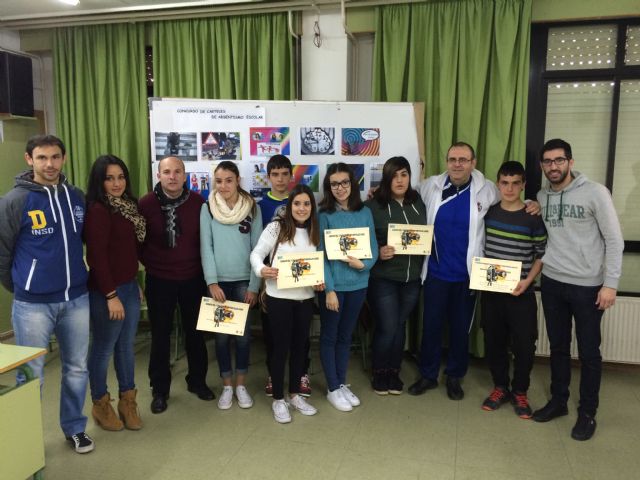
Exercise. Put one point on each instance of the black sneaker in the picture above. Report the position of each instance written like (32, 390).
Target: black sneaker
(81, 442)
(395, 384)
(521, 405)
(454, 390)
(380, 382)
(550, 411)
(422, 385)
(497, 397)
(584, 428)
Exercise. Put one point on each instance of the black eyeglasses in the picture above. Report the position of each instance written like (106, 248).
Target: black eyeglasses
(558, 161)
(459, 161)
(336, 185)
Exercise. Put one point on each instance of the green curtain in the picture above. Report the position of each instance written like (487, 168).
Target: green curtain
(468, 61)
(101, 98)
(243, 57)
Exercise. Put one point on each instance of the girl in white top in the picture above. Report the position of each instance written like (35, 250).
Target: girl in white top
(290, 310)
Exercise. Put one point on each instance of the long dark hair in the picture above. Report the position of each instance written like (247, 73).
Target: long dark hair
(97, 176)
(328, 202)
(288, 223)
(383, 194)
(233, 168)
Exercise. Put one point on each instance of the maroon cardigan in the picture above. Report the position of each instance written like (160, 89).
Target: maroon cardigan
(112, 249)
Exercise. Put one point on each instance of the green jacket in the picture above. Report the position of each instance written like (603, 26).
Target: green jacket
(400, 268)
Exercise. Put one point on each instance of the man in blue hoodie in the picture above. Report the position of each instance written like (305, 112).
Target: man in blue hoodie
(581, 269)
(41, 262)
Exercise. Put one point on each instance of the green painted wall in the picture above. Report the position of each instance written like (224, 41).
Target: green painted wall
(16, 133)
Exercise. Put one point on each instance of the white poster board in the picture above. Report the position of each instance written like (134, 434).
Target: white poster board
(312, 134)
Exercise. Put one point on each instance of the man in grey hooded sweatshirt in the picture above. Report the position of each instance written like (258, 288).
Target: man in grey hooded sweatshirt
(581, 269)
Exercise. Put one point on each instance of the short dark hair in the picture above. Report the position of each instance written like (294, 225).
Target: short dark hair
(44, 141)
(328, 202)
(383, 193)
(556, 143)
(279, 161)
(97, 176)
(511, 168)
(463, 144)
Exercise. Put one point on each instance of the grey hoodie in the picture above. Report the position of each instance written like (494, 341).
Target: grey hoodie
(585, 242)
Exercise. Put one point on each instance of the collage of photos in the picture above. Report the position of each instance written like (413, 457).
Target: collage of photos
(310, 148)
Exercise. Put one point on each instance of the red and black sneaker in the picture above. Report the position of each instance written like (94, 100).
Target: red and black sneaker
(521, 405)
(497, 397)
(268, 388)
(305, 385)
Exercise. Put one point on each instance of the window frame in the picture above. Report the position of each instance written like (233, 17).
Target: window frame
(539, 80)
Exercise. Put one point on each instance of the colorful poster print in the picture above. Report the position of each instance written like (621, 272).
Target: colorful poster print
(363, 142)
(308, 175)
(317, 141)
(268, 141)
(220, 146)
(199, 182)
(176, 144)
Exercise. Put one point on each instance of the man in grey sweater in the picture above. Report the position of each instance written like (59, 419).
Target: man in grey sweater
(581, 269)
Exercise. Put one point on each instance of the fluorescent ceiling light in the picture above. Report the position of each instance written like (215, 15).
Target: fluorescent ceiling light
(70, 2)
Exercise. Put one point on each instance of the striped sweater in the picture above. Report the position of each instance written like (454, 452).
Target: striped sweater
(514, 236)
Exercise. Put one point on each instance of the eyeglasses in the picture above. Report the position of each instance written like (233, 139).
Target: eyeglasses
(459, 161)
(558, 161)
(344, 184)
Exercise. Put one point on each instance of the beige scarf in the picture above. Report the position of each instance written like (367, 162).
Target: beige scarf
(229, 216)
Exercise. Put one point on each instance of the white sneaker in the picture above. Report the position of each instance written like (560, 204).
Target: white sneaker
(349, 396)
(244, 399)
(226, 398)
(336, 398)
(281, 411)
(300, 404)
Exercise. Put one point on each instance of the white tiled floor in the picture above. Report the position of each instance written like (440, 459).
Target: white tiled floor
(395, 437)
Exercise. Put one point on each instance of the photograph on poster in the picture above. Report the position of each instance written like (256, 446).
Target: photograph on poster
(220, 146)
(308, 175)
(259, 181)
(375, 174)
(176, 144)
(364, 142)
(268, 141)
(317, 141)
(199, 182)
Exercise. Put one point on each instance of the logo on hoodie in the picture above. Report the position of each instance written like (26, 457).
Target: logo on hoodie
(78, 212)
(39, 223)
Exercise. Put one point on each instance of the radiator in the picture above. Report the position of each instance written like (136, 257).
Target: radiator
(620, 332)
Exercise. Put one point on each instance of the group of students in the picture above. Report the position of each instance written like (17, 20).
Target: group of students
(234, 241)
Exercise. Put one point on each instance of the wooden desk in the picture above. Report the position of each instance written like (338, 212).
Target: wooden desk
(21, 442)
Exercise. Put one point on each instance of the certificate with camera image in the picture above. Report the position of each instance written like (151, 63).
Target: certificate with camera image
(410, 239)
(218, 317)
(341, 243)
(303, 269)
(494, 275)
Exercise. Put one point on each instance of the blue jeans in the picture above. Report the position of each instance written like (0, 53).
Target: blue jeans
(113, 336)
(234, 291)
(336, 330)
(452, 303)
(33, 324)
(561, 302)
(391, 303)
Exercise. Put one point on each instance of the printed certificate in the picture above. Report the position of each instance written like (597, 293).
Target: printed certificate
(342, 242)
(228, 317)
(304, 269)
(410, 239)
(494, 275)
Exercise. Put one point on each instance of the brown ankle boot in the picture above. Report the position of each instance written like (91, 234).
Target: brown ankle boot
(128, 409)
(104, 415)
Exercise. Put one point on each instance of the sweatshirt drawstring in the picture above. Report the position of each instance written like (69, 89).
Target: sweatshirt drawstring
(53, 210)
(73, 218)
(560, 213)
(546, 213)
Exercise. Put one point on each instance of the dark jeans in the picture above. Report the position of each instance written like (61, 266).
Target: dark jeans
(162, 298)
(450, 302)
(560, 302)
(336, 330)
(290, 321)
(391, 303)
(510, 322)
(268, 344)
(235, 292)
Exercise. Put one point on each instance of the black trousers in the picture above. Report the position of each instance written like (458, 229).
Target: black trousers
(268, 344)
(510, 323)
(562, 301)
(162, 298)
(289, 321)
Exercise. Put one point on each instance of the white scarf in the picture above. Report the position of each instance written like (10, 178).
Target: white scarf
(229, 216)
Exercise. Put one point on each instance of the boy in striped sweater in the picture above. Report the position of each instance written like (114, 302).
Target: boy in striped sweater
(509, 321)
